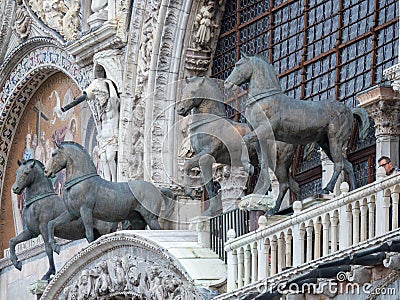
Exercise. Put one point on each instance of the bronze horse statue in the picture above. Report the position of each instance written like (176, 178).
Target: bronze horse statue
(41, 205)
(271, 113)
(89, 196)
(214, 137)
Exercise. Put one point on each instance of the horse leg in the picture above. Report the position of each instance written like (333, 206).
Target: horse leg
(247, 140)
(334, 152)
(49, 252)
(190, 164)
(261, 145)
(350, 171)
(282, 174)
(64, 218)
(87, 219)
(22, 237)
(205, 162)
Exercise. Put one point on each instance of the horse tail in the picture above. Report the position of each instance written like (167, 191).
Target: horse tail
(167, 195)
(363, 120)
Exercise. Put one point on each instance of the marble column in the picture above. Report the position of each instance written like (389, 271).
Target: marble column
(383, 106)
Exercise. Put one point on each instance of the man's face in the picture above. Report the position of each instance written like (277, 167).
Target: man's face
(386, 165)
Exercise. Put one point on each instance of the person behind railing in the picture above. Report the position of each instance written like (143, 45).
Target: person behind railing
(386, 163)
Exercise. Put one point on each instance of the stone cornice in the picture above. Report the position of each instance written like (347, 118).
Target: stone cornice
(103, 38)
(312, 212)
(297, 270)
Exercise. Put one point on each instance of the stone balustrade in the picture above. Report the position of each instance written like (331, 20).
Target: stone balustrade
(338, 224)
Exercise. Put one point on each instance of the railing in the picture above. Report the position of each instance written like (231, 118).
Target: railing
(318, 231)
(219, 226)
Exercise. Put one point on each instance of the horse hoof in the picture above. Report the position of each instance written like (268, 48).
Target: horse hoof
(18, 265)
(324, 192)
(271, 212)
(56, 248)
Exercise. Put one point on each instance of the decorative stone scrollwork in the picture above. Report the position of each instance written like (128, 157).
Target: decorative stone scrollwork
(22, 23)
(128, 277)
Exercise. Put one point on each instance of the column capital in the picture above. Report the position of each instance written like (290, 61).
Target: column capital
(383, 105)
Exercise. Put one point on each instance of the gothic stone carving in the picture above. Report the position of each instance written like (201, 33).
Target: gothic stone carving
(122, 265)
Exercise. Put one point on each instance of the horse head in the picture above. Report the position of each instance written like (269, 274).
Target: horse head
(191, 95)
(197, 90)
(26, 175)
(241, 73)
(57, 162)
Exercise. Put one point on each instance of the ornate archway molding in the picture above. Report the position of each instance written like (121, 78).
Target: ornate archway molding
(24, 70)
(122, 265)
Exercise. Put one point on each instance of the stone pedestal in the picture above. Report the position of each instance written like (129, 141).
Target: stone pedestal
(383, 106)
(97, 19)
(233, 183)
(201, 225)
(37, 288)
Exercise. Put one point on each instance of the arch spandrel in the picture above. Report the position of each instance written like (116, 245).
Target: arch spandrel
(122, 265)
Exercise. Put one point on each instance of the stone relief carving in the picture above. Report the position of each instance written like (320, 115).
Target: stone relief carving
(58, 16)
(129, 276)
(22, 23)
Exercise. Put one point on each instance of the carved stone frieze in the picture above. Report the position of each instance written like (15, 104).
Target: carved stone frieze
(122, 266)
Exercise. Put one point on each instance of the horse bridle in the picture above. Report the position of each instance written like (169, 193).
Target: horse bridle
(77, 180)
(37, 198)
(268, 93)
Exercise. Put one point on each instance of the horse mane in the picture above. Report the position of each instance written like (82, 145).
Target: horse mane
(270, 68)
(24, 162)
(71, 143)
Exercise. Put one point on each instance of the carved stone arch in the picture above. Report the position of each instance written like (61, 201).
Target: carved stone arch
(156, 64)
(24, 72)
(123, 264)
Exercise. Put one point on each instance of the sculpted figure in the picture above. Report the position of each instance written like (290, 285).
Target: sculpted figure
(103, 282)
(120, 278)
(22, 22)
(205, 26)
(106, 105)
(84, 285)
(98, 6)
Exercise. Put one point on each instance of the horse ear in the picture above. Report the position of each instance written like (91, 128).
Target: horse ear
(58, 145)
(244, 55)
(32, 164)
(19, 162)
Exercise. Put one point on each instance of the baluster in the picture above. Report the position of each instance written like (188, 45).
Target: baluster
(395, 210)
(309, 231)
(371, 218)
(356, 223)
(281, 253)
(240, 268)
(317, 242)
(325, 236)
(254, 263)
(232, 262)
(334, 232)
(267, 258)
(288, 250)
(364, 221)
(302, 240)
(247, 265)
(273, 256)
(349, 223)
(386, 211)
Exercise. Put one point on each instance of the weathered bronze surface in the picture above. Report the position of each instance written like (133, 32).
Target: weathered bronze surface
(41, 205)
(215, 138)
(89, 196)
(272, 114)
